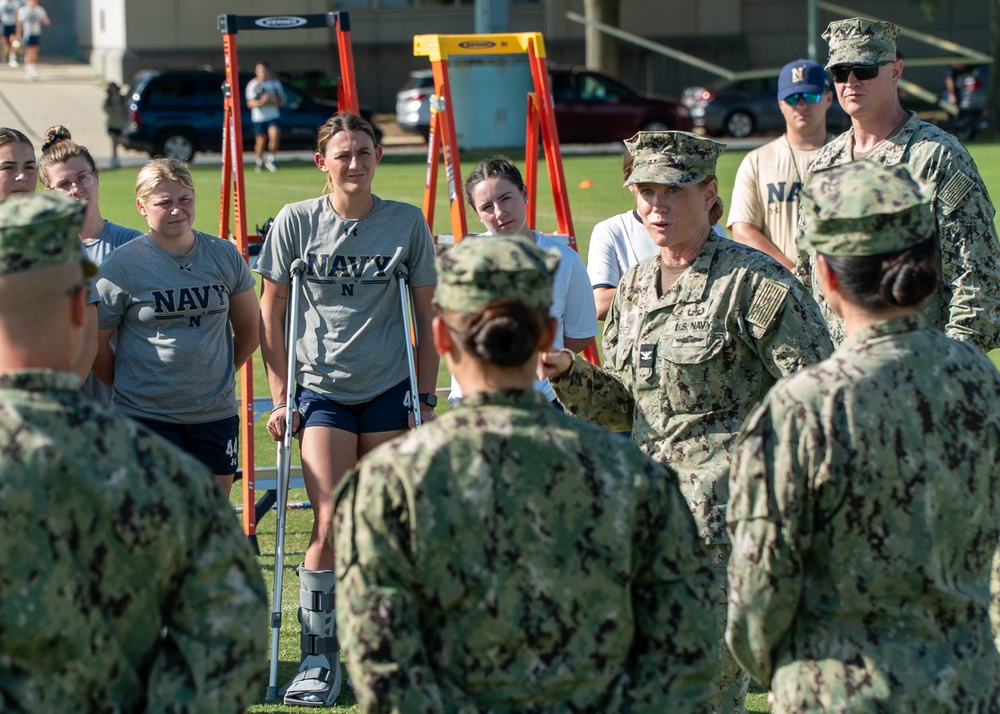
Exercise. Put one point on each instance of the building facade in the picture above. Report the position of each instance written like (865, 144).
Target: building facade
(119, 38)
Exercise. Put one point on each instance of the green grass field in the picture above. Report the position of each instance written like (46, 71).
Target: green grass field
(401, 178)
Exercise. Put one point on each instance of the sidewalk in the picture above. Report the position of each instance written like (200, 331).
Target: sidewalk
(64, 93)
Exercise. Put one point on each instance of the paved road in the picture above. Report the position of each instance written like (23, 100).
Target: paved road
(71, 93)
(64, 93)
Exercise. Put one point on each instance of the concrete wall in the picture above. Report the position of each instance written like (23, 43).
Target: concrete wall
(737, 34)
(107, 44)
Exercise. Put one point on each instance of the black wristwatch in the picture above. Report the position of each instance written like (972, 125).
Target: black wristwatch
(429, 398)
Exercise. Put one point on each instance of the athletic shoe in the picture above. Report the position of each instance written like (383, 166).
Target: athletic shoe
(269, 165)
(260, 166)
(13, 62)
(31, 71)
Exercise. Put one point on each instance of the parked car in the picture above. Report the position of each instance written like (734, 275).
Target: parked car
(743, 107)
(413, 103)
(590, 107)
(177, 113)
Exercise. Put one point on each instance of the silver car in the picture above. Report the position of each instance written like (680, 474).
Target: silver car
(413, 107)
(746, 106)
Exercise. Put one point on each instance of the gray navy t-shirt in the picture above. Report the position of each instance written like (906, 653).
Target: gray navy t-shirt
(349, 345)
(111, 237)
(174, 358)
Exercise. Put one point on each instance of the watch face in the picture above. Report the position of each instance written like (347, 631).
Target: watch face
(429, 399)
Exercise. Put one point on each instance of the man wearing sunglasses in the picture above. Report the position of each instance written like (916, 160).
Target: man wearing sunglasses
(765, 203)
(866, 70)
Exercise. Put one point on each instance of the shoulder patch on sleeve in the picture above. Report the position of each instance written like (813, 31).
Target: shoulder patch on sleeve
(956, 190)
(767, 303)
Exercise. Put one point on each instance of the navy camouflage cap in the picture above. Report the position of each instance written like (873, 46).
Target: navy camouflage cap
(481, 270)
(671, 158)
(41, 230)
(863, 208)
(860, 41)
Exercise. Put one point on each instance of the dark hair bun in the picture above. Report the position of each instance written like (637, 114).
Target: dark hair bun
(504, 333)
(54, 135)
(504, 341)
(908, 284)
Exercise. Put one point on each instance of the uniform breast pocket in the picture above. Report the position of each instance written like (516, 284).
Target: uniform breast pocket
(622, 355)
(691, 372)
(692, 348)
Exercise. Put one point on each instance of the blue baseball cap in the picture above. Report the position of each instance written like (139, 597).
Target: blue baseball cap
(802, 75)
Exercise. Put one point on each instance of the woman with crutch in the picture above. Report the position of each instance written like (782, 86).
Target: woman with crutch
(352, 390)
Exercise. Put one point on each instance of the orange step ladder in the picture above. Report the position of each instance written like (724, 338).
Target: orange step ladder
(233, 190)
(541, 123)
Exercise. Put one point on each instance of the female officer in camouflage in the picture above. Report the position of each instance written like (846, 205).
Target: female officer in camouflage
(693, 341)
(507, 557)
(864, 513)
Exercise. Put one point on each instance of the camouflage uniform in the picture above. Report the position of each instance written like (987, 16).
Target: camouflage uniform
(125, 584)
(967, 306)
(863, 509)
(510, 558)
(685, 369)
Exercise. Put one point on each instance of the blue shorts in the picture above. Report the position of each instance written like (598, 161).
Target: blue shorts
(215, 443)
(32, 40)
(9, 31)
(386, 412)
(260, 127)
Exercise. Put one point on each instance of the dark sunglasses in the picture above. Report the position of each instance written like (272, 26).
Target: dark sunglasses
(806, 97)
(862, 72)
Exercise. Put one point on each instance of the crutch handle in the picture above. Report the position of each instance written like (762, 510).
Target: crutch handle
(298, 267)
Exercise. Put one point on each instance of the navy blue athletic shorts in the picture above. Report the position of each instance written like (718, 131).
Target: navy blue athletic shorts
(214, 443)
(386, 412)
(260, 127)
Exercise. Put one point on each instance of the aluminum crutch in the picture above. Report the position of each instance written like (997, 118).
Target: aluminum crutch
(284, 464)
